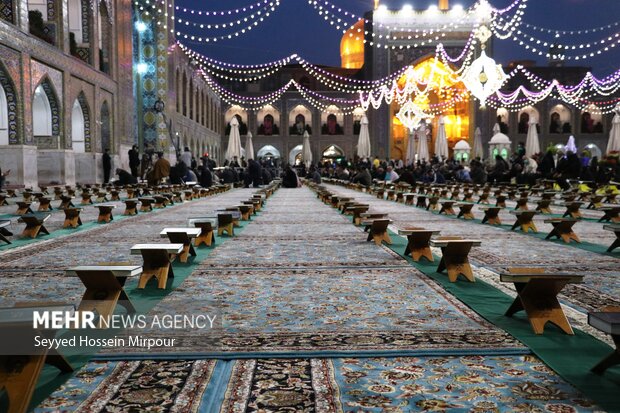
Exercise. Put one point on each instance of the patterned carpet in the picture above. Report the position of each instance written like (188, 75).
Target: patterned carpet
(36, 272)
(501, 248)
(324, 311)
(333, 293)
(299, 281)
(402, 384)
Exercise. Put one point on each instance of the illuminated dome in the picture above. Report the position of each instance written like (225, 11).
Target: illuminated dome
(352, 47)
(500, 139)
(462, 146)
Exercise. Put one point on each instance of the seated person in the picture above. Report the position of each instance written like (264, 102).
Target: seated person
(125, 178)
(290, 179)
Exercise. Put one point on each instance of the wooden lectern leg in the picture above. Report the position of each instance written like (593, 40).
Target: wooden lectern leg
(539, 300)
(611, 360)
(228, 228)
(20, 385)
(378, 238)
(614, 245)
(386, 238)
(525, 227)
(456, 267)
(204, 238)
(31, 231)
(102, 300)
(160, 273)
(417, 253)
(59, 361)
(156, 264)
(105, 217)
(184, 255)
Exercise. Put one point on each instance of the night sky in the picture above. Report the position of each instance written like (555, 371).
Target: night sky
(295, 27)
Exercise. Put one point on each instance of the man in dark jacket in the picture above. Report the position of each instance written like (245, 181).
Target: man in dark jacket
(107, 166)
(363, 177)
(206, 179)
(134, 160)
(290, 178)
(255, 173)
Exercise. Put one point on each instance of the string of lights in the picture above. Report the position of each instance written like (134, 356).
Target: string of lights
(217, 13)
(249, 23)
(219, 26)
(328, 9)
(556, 32)
(561, 51)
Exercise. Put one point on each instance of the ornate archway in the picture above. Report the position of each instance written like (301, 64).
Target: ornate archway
(438, 96)
(9, 124)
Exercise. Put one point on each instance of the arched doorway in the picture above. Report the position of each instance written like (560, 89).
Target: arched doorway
(294, 156)
(4, 118)
(77, 128)
(443, 92)
(80, 125)
(268, 152)
(332, 153)
(8, 109)
(45, 112)
(105, 37)
(105, 127)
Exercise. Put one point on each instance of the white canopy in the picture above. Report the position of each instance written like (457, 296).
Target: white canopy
(478, 150)
(441, 143)
(614, 135)
(234, 140)
(423, 153)
(363, 143)
(306, 152)
(249, 147)
(410, 159)
(532, 145)
(570, 145)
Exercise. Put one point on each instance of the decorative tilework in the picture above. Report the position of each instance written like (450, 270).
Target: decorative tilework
(51, 10)
(85, 22)
(86, 113)
(54, 106)
(83, 53)
(106, 126)
(11, 100)
(6, 10)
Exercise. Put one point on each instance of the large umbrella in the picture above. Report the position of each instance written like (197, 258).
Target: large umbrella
(249, 147)
(363, 143)
(441, 142)
(478, 151)
(614, 135)
(234, 140)
(423, 144)
(532, 146)
(306, 152)
(570, 145)
(410, 149)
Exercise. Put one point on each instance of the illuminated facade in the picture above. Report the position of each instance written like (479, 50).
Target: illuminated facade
(64, 89)
(191, 115)
(441, 85)
(391, 137)
(352, 47)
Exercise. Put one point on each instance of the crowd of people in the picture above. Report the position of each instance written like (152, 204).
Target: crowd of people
(156, 169)
(519, 169)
